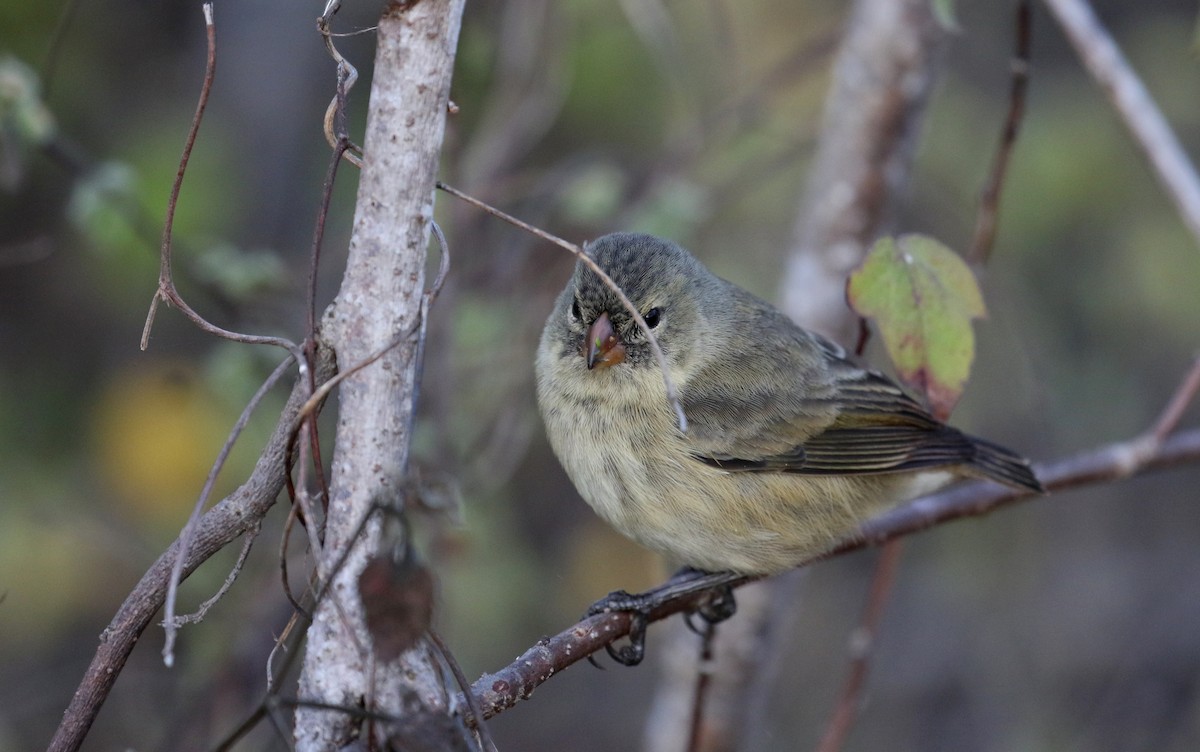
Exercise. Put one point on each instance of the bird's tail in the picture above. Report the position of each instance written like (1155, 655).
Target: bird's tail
(1004, 466)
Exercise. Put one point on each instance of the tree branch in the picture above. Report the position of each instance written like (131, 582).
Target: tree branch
(1135, 106)
(380, 296)
(501, 690)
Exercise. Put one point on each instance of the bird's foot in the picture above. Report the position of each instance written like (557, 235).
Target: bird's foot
(718, 606)
(638, 606)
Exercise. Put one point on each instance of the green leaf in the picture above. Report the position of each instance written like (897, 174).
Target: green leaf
(922, 297)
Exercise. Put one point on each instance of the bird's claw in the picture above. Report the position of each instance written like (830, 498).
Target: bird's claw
(638, 606)
(719, 606)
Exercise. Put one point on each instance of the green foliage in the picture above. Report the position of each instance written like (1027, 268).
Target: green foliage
(104, 207)
(25, 122)
(239, 274)
(922, 297)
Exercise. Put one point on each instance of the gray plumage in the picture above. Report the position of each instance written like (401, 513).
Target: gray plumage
(789, 444)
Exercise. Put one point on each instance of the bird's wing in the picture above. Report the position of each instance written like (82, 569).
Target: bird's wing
(775, 407)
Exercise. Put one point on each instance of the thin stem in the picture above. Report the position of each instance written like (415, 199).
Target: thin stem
(703, 682)
(170, 623)
(166, 291)
(1184, 394)
(1135, 106)
(989, 203)
(862, 644)
(475, 720)
(669, 384)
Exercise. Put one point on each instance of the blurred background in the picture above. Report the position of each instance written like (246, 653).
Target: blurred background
(1070, 623)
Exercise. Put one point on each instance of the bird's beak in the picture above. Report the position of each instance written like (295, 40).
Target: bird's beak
(603, 348)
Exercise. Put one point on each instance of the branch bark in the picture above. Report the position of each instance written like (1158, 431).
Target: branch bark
(380, 296)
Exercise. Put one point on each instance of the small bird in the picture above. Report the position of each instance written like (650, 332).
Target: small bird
(789, 444)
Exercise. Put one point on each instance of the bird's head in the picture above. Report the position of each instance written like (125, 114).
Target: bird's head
(666, 284)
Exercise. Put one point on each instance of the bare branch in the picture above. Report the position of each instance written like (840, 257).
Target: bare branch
(1184, 395)
(380, 296)
(989, 202)
(862, 642)
(1135, 106)
(703, 680)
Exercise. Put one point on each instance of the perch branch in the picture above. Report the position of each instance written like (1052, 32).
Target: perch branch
(501, 690)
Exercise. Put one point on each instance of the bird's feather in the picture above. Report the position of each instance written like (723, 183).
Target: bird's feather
(833, 418)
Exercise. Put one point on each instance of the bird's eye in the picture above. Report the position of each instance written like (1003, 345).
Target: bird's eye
(575, 313)
(652, 317)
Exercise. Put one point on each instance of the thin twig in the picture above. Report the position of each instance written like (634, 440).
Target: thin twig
(249, 537)
(1184, 394)
(669, 384)
(323, 391)
(1150, 130)
(323, 211)
(1148, 443)
(188, 534)
(344, 73)
(703, 682)
(308, 520)
(166, 291)
(335, 114)
(501, 690)
(476, 720)
(281, 643)
(989, 201)
(427, 299)
(283, 565)
(862, 643)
